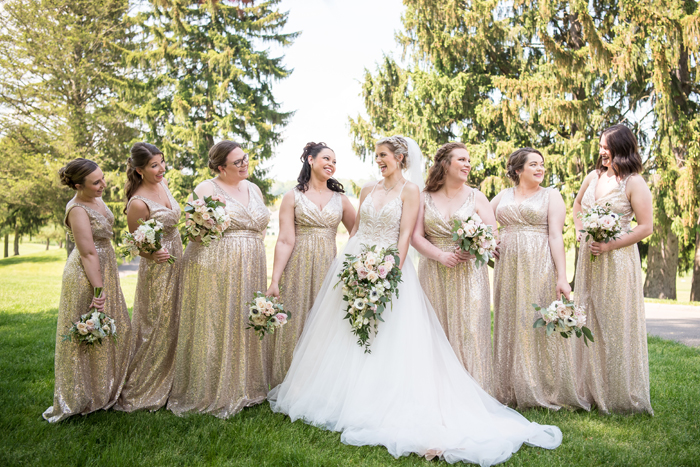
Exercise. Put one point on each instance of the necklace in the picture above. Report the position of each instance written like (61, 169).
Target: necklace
(157, 193)
(387, 190)
(455, 195)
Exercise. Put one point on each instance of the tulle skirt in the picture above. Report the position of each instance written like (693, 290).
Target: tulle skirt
(410, 394)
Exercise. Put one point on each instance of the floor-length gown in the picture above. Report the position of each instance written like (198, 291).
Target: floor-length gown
(90, 378)
(614, 371)
(411, 393)
(314, 250)
(220, 366)
(156, 318)
(530, 368)
(461, 295)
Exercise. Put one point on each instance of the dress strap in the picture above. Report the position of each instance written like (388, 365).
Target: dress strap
(375, 186)
(402, 187)
(145, 201)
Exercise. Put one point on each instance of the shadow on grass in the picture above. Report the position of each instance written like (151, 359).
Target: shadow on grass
(31, 258)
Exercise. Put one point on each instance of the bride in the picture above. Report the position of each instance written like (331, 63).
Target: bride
(410, 394)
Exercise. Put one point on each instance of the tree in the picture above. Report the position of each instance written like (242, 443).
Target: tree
(199, 73)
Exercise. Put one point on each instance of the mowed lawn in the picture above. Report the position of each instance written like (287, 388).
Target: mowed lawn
(29, 292)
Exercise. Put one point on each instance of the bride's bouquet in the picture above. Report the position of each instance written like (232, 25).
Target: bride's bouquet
(92, 327)
(564, 317)
(146, 238)
(475, 237)
(369, 280)
(601, 224)
(208, 218)
(266, 314)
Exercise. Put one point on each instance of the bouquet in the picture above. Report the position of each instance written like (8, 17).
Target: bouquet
(565, 318)
(266, 314)
(601, 224)
(92, 327)
(369, 281)
(146, 238)
(208, 218)
(475, 237)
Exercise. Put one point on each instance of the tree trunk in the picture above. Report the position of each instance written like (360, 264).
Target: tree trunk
(7, 245)
(662, 266)
(16, 242)
(47, 244)
(69, 245)
(60, 243)
(695, 286)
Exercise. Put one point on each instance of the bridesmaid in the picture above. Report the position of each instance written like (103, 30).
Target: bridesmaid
(89, 379)
(309, 218)
(530, 369)
(156, 314)
(614, 372)
(220, 366)
(457, 289)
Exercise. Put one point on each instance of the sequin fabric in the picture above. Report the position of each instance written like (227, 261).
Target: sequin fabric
(313, 253)
(90, 378)
(530, 369)
(460, 296)
(220, 366)
(156, 318)
(613, 371)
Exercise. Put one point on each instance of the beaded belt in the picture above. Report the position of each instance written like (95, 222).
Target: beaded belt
(444, 243)
(306, 231)
(542, 229)
(243, 234)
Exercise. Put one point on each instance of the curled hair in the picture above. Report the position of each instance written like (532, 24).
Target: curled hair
(398, 145)
(313, 149)
(624, 150)
(441, 162)
(141, 154)
(219, 152)
(75, 172)
(517, 160)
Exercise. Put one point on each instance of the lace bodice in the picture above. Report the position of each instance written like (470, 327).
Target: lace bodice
(381, 227)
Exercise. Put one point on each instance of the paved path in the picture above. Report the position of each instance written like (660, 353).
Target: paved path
(679, 323)
(132, 267)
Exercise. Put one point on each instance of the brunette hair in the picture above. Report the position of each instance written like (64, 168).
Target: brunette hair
(517, 160)
(74, 172)
(624, 150)
(313, 149)
(441, 162)
(141, 154)
(219, 152)
(398, 145)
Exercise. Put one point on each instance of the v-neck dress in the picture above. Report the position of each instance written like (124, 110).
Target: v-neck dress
(90, 379)
(461, 295)
(220, 366)
(530, 369)
(314, 250)
(156, 317)
(613, 371)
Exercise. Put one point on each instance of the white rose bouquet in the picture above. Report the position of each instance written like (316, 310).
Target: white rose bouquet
(369, 280)
(208, 218)
(266, 314)
(92, 327)
(564, 317)
(146, 238)
(475, 237)
(601, 224)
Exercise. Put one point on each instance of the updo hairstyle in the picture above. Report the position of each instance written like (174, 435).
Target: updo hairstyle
(219, 152)
(398, 145)
(624, 151)
(75, 172)
(517, 161)
(313, 149)
(441, 163)
(141, 154)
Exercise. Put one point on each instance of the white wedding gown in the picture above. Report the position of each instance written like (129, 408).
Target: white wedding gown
(410, 394)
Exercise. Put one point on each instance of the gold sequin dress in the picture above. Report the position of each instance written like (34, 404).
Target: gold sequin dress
(614, 370)
(530, 369)
(220, 366)
(90, 378)
(461, 295)
(156, 318)
(313, 253)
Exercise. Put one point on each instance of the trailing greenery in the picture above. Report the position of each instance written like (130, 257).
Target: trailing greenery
(29, 292)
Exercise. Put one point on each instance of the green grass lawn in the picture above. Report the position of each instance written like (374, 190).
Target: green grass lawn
(29, 293)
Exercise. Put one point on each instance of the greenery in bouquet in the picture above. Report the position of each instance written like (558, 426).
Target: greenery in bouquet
(475, 237)
(208, 218)
(601, 225)
(266, 314)
(93, 327)
(564, 317)
(146, 238)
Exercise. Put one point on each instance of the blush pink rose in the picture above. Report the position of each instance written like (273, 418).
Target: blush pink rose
(362, 273)
(389, 259)
(382, 271)
(281, 317)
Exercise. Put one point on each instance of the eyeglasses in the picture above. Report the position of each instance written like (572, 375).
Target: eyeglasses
(241, 162)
